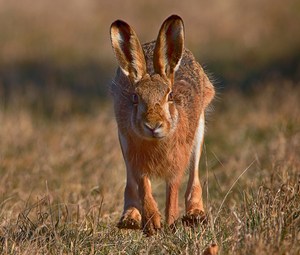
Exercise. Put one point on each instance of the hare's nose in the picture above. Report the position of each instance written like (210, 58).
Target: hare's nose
(153, 126)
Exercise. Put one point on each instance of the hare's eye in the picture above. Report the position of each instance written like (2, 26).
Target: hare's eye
(134, 98)
(170, 96)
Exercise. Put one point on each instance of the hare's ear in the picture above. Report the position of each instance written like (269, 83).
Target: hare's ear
(169, 47)
(128, 50)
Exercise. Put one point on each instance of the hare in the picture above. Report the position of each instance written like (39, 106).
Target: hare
(160, 95)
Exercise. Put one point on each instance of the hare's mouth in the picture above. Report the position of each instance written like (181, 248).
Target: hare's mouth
(153, 131)
(158, 136)
(153, 135)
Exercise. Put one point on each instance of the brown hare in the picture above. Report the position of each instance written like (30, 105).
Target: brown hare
(160, 95)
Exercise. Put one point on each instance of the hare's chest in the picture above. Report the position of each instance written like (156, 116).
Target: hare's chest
(164, 162)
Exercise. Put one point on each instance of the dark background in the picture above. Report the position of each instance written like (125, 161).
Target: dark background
(56, 56)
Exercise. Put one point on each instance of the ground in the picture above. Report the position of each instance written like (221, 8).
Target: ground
(63, 176)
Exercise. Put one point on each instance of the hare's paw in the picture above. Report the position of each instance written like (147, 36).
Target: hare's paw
(175, 225)
(194, 218)
(211, 250)
(151, 223)
(131, 219)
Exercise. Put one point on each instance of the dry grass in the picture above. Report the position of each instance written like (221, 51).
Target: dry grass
(62, 180)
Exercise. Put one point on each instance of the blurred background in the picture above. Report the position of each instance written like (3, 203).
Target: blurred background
(56, 56)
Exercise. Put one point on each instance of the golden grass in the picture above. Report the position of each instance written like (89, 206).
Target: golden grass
(62, 180)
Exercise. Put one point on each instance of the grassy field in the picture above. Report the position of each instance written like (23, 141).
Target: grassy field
(62, 175)
(62, 180)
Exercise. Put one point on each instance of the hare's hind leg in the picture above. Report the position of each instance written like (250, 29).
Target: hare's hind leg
(131, 217)
(193, 196)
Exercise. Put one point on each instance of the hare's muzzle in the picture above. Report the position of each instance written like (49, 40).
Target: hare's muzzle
(154, 130)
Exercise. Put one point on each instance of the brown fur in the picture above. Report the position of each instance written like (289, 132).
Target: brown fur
(158, 136)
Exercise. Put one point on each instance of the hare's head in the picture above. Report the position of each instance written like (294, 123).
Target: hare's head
(153, 112)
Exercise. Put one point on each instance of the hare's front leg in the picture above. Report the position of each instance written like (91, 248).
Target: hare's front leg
(193, 196)
(172, 202)
(151, 219)
(131, 217)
